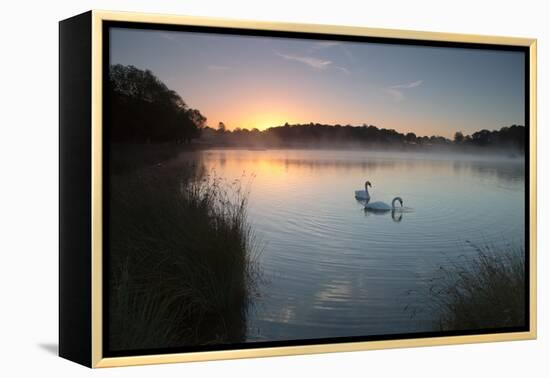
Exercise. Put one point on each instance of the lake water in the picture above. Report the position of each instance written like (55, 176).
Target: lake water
(330, 269)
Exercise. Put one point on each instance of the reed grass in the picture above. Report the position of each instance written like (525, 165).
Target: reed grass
(481, 292)
(182, 259)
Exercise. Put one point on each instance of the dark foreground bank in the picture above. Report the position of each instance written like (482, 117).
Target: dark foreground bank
(181, 259)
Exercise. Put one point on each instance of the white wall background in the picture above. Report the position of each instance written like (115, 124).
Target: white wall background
(28, 198)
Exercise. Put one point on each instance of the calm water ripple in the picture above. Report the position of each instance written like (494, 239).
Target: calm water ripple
(333, 270)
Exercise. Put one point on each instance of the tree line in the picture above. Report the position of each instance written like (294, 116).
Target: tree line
(316, 134)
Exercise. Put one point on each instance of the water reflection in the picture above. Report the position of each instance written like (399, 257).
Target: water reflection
(397, 215)
(506, 169)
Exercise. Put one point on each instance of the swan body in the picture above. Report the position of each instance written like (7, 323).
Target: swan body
(362, 195)
(382, 206)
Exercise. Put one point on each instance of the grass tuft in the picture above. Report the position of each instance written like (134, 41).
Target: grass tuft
(481, 292)
(182, 259)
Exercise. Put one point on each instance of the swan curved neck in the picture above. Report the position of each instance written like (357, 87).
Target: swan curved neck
(396, 199)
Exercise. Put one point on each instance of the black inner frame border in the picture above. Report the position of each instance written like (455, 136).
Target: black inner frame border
(107, 25)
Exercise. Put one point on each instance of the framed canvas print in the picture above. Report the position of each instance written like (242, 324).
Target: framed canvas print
(234, 189)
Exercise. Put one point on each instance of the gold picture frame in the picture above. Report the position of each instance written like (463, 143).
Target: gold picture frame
(94, 26)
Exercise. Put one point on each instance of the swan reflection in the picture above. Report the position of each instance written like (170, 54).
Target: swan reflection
(396, 213)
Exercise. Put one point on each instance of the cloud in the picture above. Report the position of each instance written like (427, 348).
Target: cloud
(325, 45)
(214, 67)
(397, 91)
(413, 84)
(342, 69)
(316, 63)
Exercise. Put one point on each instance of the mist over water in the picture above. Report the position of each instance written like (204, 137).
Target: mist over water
(329, 268)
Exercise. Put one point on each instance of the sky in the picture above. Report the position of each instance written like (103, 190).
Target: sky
(259, 82)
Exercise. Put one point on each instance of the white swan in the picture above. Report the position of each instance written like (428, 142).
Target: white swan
(363, 195)
(382, 206)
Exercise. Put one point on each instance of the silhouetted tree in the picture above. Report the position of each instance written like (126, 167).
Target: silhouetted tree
(459, 137)
(482, 137)
(410, 137)
(507, 137)
(143, 109)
